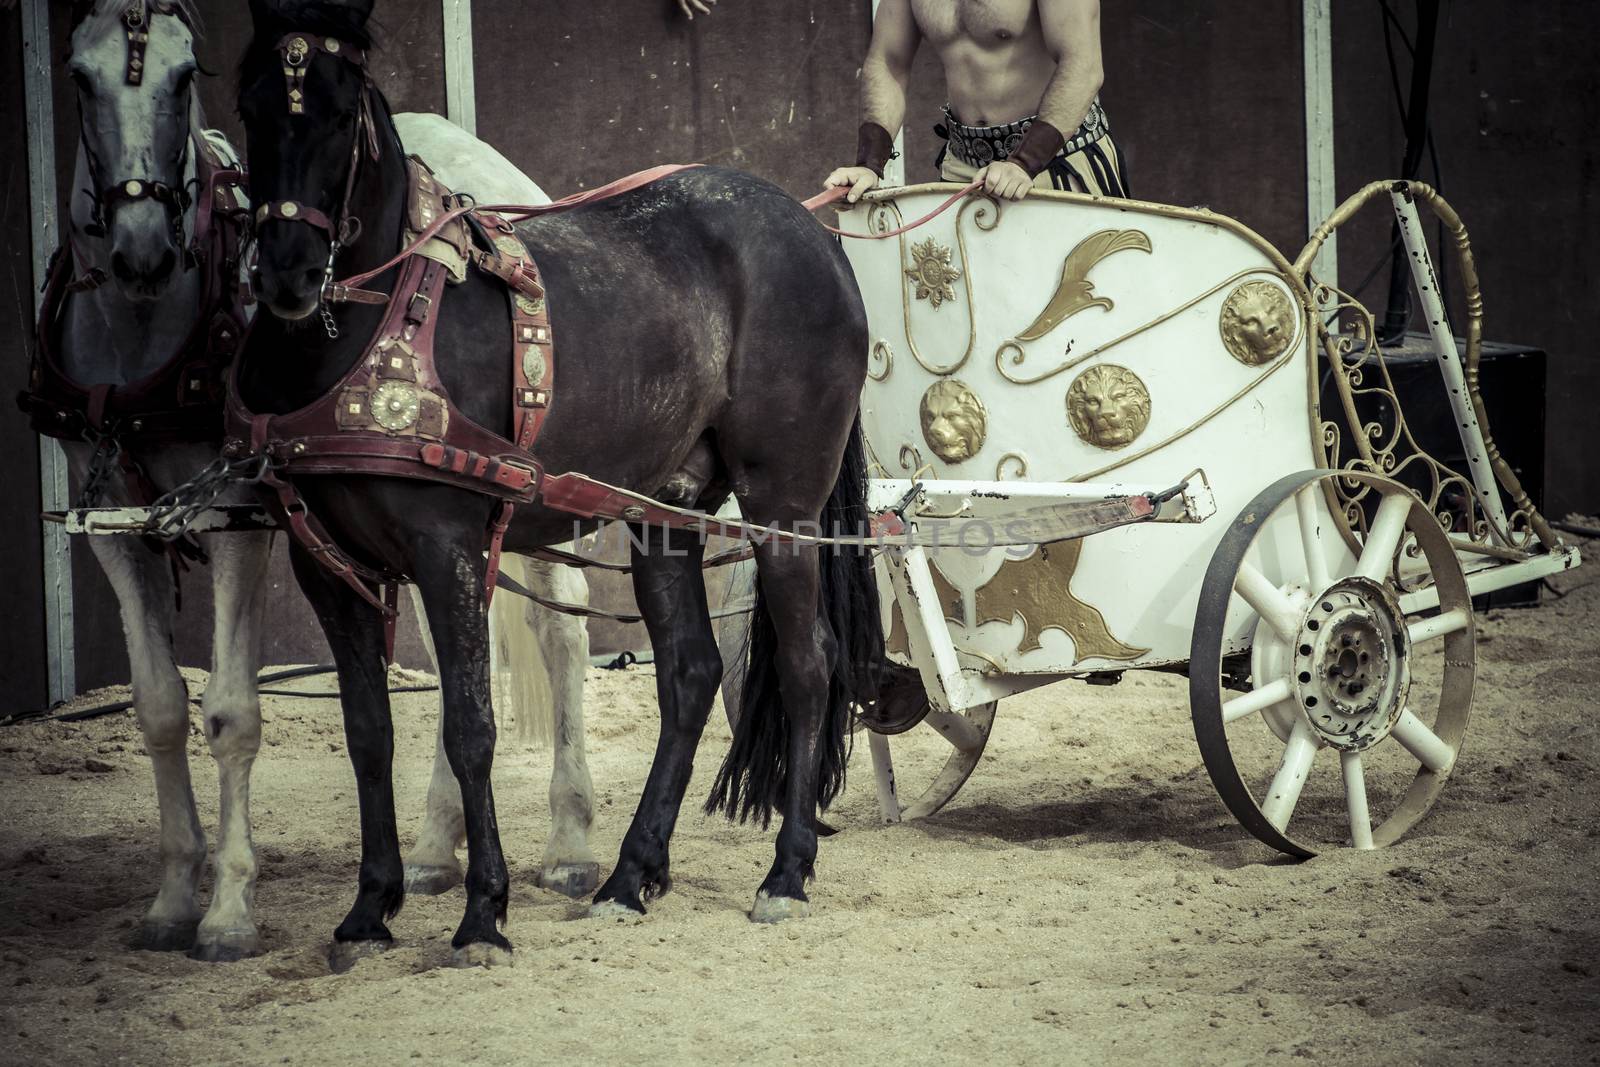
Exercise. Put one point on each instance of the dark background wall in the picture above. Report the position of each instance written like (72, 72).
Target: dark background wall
(1205, 99)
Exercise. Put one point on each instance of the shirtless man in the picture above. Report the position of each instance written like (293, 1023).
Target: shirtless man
(1022, 77)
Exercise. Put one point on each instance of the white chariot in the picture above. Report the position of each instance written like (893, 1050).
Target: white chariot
(1067, 348)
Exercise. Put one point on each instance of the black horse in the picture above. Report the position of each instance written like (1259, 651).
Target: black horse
(711, 341)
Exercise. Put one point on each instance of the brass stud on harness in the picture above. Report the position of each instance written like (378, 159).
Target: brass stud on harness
(133, 187)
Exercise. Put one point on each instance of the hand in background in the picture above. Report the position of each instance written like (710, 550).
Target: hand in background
(689, 7)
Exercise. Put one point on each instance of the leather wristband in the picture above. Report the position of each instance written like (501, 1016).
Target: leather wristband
(874, 147)
(1038, 147)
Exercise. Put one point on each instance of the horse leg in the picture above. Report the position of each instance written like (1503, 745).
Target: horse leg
(231, 712)
(355, 634)
(144, 593)
(451, 580)
(432, 867)
(569, 865)
(804, 652)
(671, 593)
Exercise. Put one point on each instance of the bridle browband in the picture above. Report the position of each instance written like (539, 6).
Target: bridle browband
(297, 50)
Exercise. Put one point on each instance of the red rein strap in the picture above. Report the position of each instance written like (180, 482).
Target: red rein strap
(839, 192)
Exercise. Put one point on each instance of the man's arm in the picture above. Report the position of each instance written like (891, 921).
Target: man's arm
(884, 74)
(1072, 36)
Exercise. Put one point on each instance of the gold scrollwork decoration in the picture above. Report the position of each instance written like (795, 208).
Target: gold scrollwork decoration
(881, 352)
(1108, 406)
(1017, 458)
(954, 420)
(885, 217)
(1257, 322)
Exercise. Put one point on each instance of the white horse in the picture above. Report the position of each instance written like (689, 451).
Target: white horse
(132, 322)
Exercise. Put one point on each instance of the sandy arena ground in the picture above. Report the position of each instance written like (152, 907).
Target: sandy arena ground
(1086, 898)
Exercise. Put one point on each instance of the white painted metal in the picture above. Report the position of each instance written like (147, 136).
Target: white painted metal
(1383, 539)
(1308, 515)
(61, 658)
(894, 171)
(460, 81)
(1207, 408)
(1355, 795)
(1492, 574)
(1321, 199)
(883, 777)
(1262, 594)
(1284, 793)
(1438, 626)
(1423, 743)
(1444, 349)
(1259, 699)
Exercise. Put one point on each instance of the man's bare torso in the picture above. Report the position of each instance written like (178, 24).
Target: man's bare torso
(996, 65)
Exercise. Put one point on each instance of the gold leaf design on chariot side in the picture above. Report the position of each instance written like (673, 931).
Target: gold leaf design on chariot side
(1075, 292)
(954, 420)
(1257, 322)
(931, 272)
(1038, 590)
(1108, 406)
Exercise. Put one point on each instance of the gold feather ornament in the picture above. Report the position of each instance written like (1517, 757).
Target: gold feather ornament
(1075, 292)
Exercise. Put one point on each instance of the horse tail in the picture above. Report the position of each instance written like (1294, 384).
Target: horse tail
(523, 701)
(752, 779)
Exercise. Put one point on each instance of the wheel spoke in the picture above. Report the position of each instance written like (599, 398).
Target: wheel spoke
(1284, 792)
(1268, 601)
(1355, 795)
(1305, 503)
(1446, 623)
(1384, 538)
(956, 729)
(883, 774)
(1256, 700)
(1423, 743)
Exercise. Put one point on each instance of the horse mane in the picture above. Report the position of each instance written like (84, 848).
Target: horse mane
(105, 12)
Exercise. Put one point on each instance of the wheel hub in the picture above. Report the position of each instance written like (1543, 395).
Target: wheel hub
(1351, 664)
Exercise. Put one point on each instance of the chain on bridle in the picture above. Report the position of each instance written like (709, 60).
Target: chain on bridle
(298, 50)
(108, 197)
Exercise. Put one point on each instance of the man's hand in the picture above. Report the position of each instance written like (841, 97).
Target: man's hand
(1005, 180)
(691, 6)
(859, 179)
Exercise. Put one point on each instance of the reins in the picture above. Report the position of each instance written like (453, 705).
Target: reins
(839, 192)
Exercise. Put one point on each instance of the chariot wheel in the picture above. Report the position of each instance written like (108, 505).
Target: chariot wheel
(940, 748)
(1337, 661)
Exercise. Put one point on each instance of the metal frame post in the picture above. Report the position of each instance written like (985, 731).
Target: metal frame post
(60, 654)
(460, 84)
(1317, 23)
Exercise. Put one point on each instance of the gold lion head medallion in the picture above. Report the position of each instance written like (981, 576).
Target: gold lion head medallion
(1257, 323)
(1108, 406)
(954, 420)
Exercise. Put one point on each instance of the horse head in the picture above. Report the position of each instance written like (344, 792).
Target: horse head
(133, 64)
(307, 101)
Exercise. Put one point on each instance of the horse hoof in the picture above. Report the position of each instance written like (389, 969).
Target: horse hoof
(614, 909)
(344, 955)
(571, 879)
(166, 936)
(429, 881)
(227, 947)
(777, 909)
(480, 954)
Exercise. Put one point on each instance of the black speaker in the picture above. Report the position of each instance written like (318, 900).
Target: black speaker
(1511, 380)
